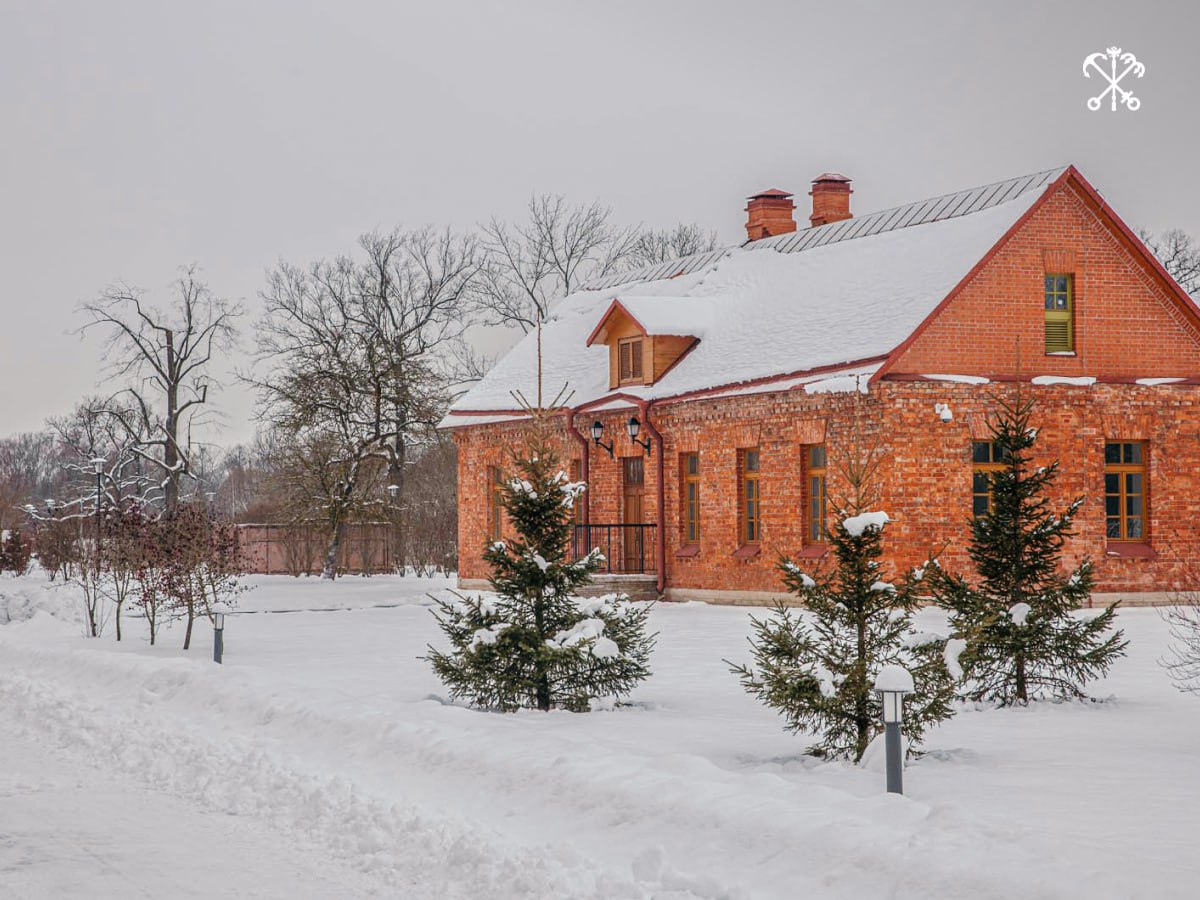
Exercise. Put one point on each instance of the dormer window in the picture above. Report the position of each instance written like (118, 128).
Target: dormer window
(638, 355)
(629, 355)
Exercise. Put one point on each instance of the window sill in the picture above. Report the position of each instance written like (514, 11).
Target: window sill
(813, 551)
(747, 551)
(1061, 353)
(1131, 550)
(688, 551)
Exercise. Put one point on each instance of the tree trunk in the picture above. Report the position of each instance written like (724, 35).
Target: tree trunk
(191, 620)
(329, 570)
(119, 619)
(396, 477)
(1022, 694)
(541, 675)
(861, 702)
(91, 601)
(171, 426)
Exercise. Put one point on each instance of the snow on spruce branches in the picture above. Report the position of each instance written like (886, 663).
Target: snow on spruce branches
(818, 667)
(535, 644)
(1023, 638)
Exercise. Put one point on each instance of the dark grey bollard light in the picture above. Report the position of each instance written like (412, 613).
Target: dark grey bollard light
(892, 683)
(219, 611)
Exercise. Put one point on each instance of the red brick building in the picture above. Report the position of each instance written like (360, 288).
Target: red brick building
(752, 373)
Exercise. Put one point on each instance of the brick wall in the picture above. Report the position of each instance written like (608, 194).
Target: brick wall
(1125, 325)
(923, 480)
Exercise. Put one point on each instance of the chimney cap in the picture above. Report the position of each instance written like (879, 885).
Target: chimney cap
(831, 176)
(771, 193)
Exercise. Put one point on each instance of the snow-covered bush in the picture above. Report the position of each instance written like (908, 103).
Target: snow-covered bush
(1023, 639)
(535, 644)
(818, 668)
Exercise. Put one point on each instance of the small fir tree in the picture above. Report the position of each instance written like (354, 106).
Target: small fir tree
(16, 553)
(1022, 640)
(535, 644)
(818, 668)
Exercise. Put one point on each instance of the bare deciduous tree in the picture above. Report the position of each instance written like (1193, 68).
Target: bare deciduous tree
(246, 491)
(657, 246)
(168, 354)
(532, 264)
(1179, 255)
(100, 429)
(359, 358)
(432, 510)
(28, 473)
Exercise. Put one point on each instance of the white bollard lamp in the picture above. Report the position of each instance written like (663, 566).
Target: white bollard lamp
(892, 683)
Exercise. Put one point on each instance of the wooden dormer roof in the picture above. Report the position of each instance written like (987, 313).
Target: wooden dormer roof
(667, 316)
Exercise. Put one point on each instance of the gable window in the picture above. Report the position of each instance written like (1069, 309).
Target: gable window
(1060, 312)
(495, 526)
(691, 498)
(1125, 490)
(629, 360)
(815, 510)
(751, 499)
(987, 458)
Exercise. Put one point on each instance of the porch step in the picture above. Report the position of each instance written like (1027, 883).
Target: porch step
(638, 587)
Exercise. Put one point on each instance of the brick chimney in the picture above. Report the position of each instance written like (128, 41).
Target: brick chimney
(830, 199)
(770, 212)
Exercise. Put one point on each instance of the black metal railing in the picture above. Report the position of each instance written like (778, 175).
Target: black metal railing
(627, 549)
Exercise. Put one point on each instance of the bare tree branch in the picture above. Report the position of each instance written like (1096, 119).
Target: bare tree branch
(168, 354)
(359, 356)
(1179, 255)
(655, 246)
(531, 265)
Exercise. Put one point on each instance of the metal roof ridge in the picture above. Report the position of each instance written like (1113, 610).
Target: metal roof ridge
(997, 192)
(952, 205)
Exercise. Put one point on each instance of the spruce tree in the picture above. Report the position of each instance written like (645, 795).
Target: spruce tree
(1022, 640)
(15, 552)
(535, 644)
(818, 668)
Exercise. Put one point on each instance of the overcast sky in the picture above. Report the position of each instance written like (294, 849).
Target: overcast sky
(141, 136)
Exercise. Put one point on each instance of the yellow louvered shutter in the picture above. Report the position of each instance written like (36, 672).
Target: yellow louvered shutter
(1060, 303)
(629, 361)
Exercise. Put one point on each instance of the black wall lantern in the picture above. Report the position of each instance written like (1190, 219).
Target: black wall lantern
(597, 433)
(633, 426)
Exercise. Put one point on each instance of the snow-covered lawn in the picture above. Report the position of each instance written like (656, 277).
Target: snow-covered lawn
(322, 761)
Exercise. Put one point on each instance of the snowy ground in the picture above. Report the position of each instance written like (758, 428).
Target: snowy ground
(322, 761)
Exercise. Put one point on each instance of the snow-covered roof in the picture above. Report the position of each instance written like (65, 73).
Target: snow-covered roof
(922, 212)
(842, 293)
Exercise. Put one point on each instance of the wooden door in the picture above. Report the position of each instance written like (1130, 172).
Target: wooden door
(633, 496)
